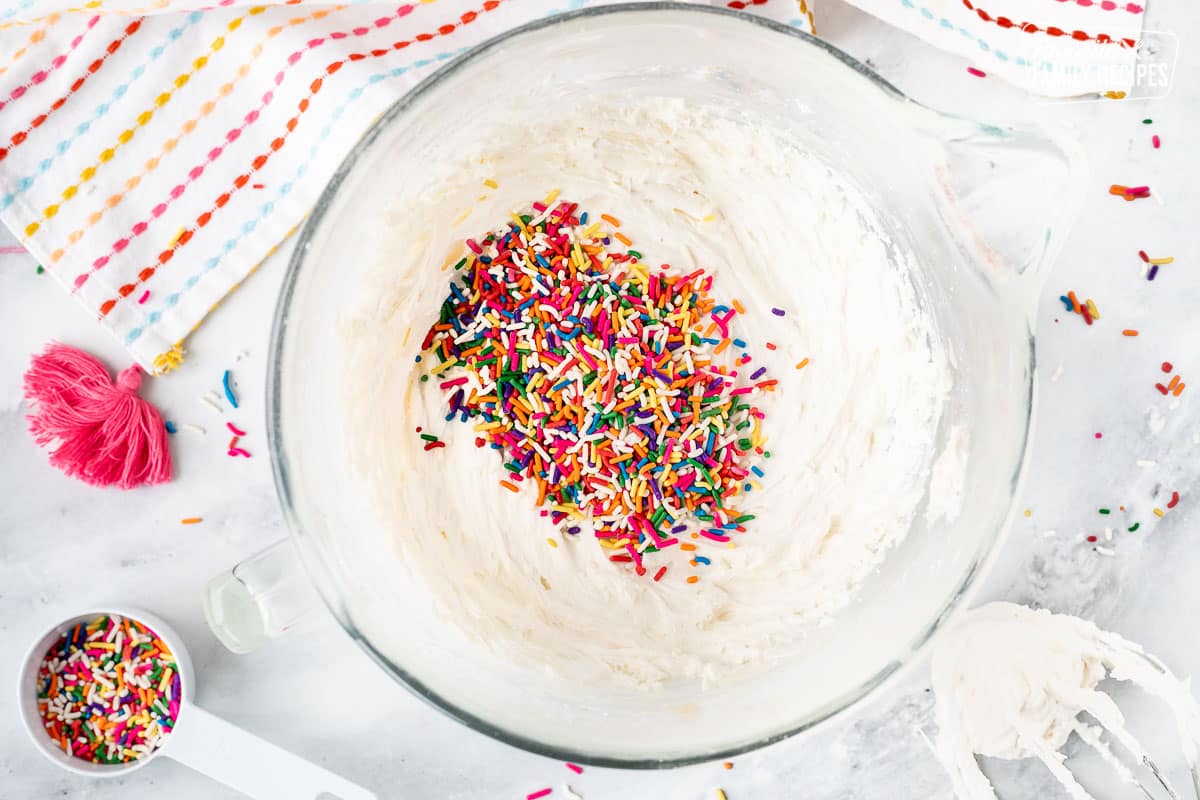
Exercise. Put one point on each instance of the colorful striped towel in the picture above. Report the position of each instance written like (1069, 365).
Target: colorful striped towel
(153, 153)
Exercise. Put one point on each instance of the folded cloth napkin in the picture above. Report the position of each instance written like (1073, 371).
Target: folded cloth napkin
(151, 156)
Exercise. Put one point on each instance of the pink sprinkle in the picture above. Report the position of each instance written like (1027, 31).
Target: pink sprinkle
(142, 299)
(578, 770)
(237, 451)
(1099, 435)
(539, 793)
(11, 250)
(716, 537)
(452, 383)
(1157, 142)
(978, 73)
(234, 429)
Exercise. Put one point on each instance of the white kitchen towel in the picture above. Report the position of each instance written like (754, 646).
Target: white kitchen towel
(151, 156)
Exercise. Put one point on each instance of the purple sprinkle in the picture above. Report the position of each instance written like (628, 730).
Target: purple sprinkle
(757, 373)
(779, 312)
(574, 529)
(1153, 272)
(679, 529)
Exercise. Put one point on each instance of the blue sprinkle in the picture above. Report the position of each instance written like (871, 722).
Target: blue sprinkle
(747, 488)
(583, 218)
(228, 391)
(171, 427)
(702, 559)
(757, 471)
(739, 342)
(418, 359)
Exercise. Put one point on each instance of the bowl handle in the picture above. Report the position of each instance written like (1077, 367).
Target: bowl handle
(261, 598)
(1009, 196)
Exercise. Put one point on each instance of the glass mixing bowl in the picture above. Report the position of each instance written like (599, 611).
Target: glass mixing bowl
(981, 207)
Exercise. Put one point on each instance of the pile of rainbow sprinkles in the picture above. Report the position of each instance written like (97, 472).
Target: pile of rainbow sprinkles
(615, 391)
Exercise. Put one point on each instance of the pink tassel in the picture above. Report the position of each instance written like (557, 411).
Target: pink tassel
(105, 434)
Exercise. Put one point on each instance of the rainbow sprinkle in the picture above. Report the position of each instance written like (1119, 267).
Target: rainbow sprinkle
(596, 379)
(108, 691)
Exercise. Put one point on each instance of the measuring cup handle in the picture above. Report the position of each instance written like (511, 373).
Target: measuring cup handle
(260, 599)
(225, 752)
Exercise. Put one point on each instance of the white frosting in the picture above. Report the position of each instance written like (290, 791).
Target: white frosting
(851, 434)
(1011, 683)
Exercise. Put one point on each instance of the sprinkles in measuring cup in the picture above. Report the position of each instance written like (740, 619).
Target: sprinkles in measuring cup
(108, 691)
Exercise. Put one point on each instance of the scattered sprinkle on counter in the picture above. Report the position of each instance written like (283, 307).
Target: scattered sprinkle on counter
(578, 770)
(225, 384)
(191, 520)
(108, 691)
(538, 793)
(978, 73)
(598, 381)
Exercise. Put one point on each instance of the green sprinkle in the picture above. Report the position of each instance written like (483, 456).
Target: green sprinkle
(40, 269)
(1134, 526)
(424, 378)
(1105, 511)
(429, 437)
(635, 254)
(1147, 121)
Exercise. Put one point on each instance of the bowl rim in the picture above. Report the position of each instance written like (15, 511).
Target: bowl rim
(320, 574)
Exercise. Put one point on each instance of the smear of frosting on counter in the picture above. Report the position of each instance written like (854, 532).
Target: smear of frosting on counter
(852, 434)
(1012, 683)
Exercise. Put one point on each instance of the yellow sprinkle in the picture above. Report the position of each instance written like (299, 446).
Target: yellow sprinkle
(550, 198)
(445, 365)
(491, 184)
(551, 542)
(1029, 512)
(1115, 95)
(803, 363)
(175, 238)
(462, 216)
(404, 341)
(1161, 261)
(1092, 308)
(1158, 512)
(709, 218)
(190, 520)
(721, 795)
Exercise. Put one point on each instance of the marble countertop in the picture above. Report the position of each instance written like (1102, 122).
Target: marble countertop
(64, 545)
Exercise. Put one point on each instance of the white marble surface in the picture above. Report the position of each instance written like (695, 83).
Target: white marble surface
(64, 545)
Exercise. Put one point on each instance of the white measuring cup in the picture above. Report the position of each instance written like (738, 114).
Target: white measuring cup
(204, 742)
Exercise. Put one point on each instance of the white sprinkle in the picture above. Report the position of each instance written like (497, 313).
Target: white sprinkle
(1105, 551)
(1057, 374)
(1048, 534)
(1144, 462)
(570, 793)
(211, 403)
(187, 426)
(1108, 534)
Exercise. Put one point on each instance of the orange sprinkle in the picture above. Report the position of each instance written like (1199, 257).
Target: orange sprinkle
(737, 305)
(510, 487)
(721, 347)
(770, 345)
(1129, 332)
(190, 520)
(728, 765)
(616, 223)
(622, 238)
(1174, 382)
(802, 364)
(1179, 389)
(687, 546)
(693, 579)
